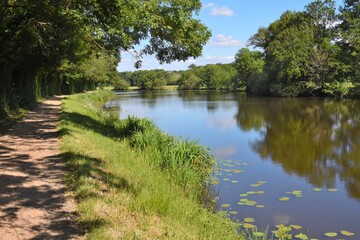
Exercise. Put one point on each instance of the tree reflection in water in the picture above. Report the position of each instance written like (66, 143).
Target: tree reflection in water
(315, 139)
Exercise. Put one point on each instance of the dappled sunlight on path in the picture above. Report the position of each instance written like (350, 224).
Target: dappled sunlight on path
(32, 194)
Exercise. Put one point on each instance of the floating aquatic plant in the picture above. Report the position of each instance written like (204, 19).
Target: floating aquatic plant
(301, 236)
(225, 205)
(284, 199)
(294, 226)
(331, 234)
(260, 206)
(347, 233)
(249, 220)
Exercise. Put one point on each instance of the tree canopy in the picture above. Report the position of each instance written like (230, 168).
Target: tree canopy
(50, 46)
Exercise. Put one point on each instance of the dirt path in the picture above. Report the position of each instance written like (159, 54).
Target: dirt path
(32, 194)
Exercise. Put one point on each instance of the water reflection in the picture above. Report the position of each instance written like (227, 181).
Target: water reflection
(315, 139)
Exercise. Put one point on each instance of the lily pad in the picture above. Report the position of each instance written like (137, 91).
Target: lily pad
(259, 192)
(347, 233)
(248, 225)
(255, 185)
(294, 226)
(234, 181)
(258, 234)
(301, 236)
(251, 192)
(284, 199)
(226, 179)
(332, 190)
(238, 171)
(244, 195)
(225, 205)
(260, 206)
(244, 200)
(317, 189)
(249, 220)
(250, 203)
(296, 192)
(261, 182)
(331, 234)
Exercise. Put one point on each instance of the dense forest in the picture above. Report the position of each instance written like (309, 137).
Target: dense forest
(65, 46)
(314, 52)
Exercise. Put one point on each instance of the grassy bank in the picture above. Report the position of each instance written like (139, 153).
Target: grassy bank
(131, 181)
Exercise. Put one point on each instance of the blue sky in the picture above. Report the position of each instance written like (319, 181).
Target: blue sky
(231, 22)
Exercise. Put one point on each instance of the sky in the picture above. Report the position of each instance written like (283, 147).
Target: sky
(232, 23)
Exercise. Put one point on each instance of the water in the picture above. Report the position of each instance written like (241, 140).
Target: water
(309, 145)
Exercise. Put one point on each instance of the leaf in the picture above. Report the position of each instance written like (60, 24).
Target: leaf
(250, 203)
(255, 185)
(331, 234)
(225, 205)
(296, 192)
(317, 189)
(284, 199)
(234, 181)
(297, 227)
(260, 206)
(260, 192)
(248, 225)
(332, 190)
(258, 234)
(301, 236)
(244, 195)
(347, 233)
(249, 220)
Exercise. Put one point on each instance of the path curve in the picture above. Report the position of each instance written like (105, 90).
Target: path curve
(32, 195)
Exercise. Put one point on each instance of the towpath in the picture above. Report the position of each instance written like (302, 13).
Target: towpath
(33, 202)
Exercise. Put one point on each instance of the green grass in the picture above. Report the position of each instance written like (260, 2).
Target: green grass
(131, 181)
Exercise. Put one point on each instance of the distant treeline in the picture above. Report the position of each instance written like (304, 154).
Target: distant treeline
(315, 52)
(66, 46)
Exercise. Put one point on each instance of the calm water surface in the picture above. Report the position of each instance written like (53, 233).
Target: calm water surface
(305, 149)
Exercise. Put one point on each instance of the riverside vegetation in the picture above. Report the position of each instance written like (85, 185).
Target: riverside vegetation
(133, 181)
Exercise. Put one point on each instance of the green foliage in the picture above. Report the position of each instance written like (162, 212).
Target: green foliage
(312, 52)
(120, 84)
(283, 232)
(189, 81)
(250, 66)
(70, 46)
(211, 77)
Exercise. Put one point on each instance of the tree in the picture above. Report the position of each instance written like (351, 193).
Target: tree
(349, 31)
(40, 40)
(250, 67)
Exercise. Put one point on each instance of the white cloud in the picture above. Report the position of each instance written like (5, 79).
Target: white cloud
(222, 11)
(219, 10)
(149, 62)
(219, 58)
(221, 40)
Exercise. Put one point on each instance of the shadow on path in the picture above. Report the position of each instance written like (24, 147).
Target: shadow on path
(32, 195)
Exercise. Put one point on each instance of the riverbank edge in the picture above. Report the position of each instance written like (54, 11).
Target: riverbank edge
(119, 192)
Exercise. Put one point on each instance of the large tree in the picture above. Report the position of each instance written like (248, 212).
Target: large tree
(40, 36)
